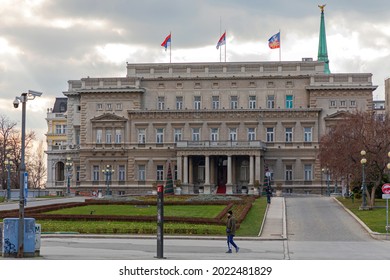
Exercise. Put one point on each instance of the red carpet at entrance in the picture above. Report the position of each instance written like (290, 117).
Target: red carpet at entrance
(221, 189)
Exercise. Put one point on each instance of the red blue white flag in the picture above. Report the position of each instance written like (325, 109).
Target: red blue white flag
(274, 41)
(167, 42)
(222, 40)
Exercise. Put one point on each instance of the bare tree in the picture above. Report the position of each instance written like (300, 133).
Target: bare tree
(36, 168)
(340, 149)
(10, 144)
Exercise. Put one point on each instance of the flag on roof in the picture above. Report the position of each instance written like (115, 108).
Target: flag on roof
(274, 41)
(167, 42)
(222, 40)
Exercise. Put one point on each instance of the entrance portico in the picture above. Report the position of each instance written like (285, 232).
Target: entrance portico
(205, 168)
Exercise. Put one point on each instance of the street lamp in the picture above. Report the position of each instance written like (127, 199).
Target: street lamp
(326, 171)
(68, 165)
(30, 95)
(108, 172)
(363, 161)
(8, 164)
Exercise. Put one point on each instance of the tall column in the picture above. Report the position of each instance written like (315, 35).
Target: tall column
(190, 176)
(179, 168)
(229, 170)
(229, 184)
(257, 173)
(185, 175)
(207, 170)
(206, 186)
(251, 175)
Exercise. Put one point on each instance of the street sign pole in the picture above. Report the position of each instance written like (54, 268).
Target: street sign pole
(386, 195)
(160, 222)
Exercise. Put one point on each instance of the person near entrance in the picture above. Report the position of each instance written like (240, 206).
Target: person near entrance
(231, 232)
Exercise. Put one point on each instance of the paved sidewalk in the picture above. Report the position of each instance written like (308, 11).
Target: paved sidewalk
(274, 227)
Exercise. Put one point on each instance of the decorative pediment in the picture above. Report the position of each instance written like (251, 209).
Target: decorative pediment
(340, 115)
(108, 117)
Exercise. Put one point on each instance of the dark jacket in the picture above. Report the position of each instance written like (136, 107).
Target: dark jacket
(231, 226)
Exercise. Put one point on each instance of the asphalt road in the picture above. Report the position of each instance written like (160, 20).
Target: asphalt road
(317, 229)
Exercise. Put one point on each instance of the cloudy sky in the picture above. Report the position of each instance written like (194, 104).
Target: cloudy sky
(45, 43)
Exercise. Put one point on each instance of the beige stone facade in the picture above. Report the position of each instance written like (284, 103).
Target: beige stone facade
(219, 126)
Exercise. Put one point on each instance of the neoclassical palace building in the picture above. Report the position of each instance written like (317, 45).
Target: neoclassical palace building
(220, 127)
(217, 127)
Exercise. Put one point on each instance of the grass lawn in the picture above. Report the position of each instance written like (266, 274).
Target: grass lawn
(195, 211)
(249, 227)
(375, 219)
(252, 223)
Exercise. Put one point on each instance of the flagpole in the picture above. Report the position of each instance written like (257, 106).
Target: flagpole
(170, 48)
(225, 44)
(220, 34)
(280, 46)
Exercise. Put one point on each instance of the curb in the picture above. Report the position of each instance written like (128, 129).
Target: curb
(373, 234)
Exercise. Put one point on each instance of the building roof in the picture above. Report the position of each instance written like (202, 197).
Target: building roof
(60, 105)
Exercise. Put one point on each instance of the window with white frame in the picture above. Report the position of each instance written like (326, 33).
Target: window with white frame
(352, 103)
(121, 173)
(343, 103)
(270, 134)
(197, 102)
(118, 136)
(233, 102)
(109, 107)
(288, 174)
(119, 106)
(252, 102)
(270, 101)
(332, 103)
(141, 172)
(141, 135)
(307, 131)
(251, 134)
(99, 106)
(233, 134)
(95, 172)
(108, 136)
(159, 135)
(215, 102)
(160, 173)
(99, 135)
(308, 172)
(289, 134)
(161, 103)
(61, 129)
(196, 134)
(179, 102)
(214, 134)
(177, 134)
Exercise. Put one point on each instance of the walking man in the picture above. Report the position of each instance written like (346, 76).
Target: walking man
(230, 232)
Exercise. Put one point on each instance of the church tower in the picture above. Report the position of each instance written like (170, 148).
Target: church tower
(322, 48)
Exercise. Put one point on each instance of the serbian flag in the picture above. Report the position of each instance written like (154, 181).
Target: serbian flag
(222, 40)
(274, 41)
(167, 42)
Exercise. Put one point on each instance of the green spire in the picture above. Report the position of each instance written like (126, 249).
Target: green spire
(322, 48)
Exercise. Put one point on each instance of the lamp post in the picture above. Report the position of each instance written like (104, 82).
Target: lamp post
(363, 161)
(8, 164)
(30, 95)
(326, 171)
(108, 172)
(68, 165)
